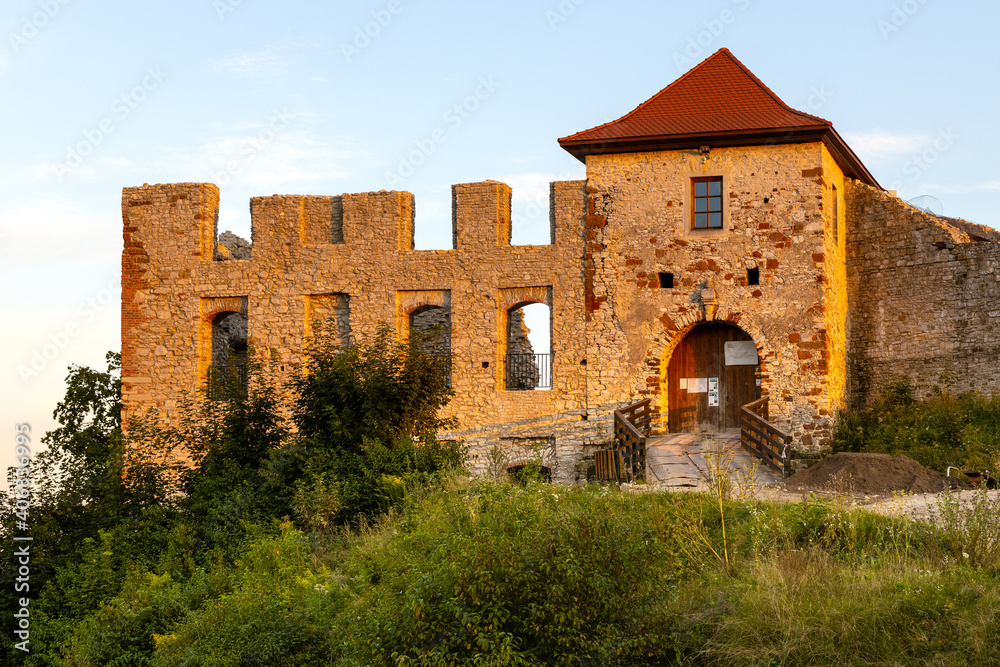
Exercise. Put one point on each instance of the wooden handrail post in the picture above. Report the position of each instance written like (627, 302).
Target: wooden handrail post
(631, 426)
(762, 438)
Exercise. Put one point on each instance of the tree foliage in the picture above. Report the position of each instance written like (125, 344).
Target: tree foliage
(138, 530)
(379, 389)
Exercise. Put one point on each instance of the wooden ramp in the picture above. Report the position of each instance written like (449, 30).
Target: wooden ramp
(677, 460)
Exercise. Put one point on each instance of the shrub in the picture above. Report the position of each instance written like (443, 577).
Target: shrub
(940, 431)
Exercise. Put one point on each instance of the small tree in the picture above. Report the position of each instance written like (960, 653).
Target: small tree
(380, 388)
(367, 418)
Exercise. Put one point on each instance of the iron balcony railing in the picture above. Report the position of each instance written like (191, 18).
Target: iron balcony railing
(226, 383)
(528, 371)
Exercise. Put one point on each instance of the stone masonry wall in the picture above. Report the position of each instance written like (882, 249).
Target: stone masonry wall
(638, 225)
(925, 299)
(856, 289)
(315, 257)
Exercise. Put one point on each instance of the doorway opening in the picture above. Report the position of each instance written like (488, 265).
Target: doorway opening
(712, 373)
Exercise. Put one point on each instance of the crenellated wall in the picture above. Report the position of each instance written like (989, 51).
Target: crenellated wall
(924, 298)
(856, 289)
(353, 256)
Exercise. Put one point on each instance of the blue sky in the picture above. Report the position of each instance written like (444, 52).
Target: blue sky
(331, 97)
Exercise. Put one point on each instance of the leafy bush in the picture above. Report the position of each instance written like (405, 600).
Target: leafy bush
(940, 431)
(118, 524)
(510, 574)
(505, 574)
(279, 611)
(379, 388)
(367, 419)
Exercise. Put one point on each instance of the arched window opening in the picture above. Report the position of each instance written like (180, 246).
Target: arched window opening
(529, 358)
(227, 375)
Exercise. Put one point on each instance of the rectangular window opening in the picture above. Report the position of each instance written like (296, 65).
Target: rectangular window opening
(753, 276)
(666, 280)
(706, 199)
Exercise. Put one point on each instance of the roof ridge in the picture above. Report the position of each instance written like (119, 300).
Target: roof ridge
(652, 97)
(811, 119)
(765, 87)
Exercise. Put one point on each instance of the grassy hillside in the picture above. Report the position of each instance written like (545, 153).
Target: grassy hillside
(324, 524)
(500, 574)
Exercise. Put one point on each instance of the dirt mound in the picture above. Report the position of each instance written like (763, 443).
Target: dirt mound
(870, 474)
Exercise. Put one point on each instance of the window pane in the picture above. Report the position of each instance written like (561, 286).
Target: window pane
(700, 220)
(715, 203)
(715, 188)
(700, 205)
(700, 189)
(715, 220)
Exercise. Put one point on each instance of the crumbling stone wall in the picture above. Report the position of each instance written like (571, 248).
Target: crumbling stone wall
(435, 321)
(352, 257)
(924, 298)
(524, 372)
(229, 339)
(856, 289)
(517, 333)
(232, 246)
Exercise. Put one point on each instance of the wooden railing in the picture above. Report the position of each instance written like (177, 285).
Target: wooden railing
(762, 438)
(627, 460)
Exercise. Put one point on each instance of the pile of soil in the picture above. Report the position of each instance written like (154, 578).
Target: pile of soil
(870, 474)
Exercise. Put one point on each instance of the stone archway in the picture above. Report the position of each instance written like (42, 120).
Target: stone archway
(704, 392)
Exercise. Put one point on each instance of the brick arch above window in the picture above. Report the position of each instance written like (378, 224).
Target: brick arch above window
(213, 306)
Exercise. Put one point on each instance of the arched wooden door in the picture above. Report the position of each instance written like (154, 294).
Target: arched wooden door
(706, 393)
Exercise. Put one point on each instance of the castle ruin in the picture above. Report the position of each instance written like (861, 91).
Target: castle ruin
(723, 247)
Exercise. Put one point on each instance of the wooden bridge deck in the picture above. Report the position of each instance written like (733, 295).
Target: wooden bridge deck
(677, 460)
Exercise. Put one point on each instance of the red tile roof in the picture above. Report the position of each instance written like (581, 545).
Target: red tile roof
(719, 102)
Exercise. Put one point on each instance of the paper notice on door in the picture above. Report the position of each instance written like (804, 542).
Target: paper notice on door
(740, 353)
(684, 383)
(697, 385)
(713, 384)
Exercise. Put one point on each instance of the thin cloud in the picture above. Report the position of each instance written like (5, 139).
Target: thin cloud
(882, 145)
(58, 234)
(263, 160)
(969, 189)
(271, 62)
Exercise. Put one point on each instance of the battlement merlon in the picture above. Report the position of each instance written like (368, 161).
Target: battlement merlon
(161, 220)
(180, 220)
(382, 220)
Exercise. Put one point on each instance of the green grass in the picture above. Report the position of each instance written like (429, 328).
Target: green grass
(493, 573)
